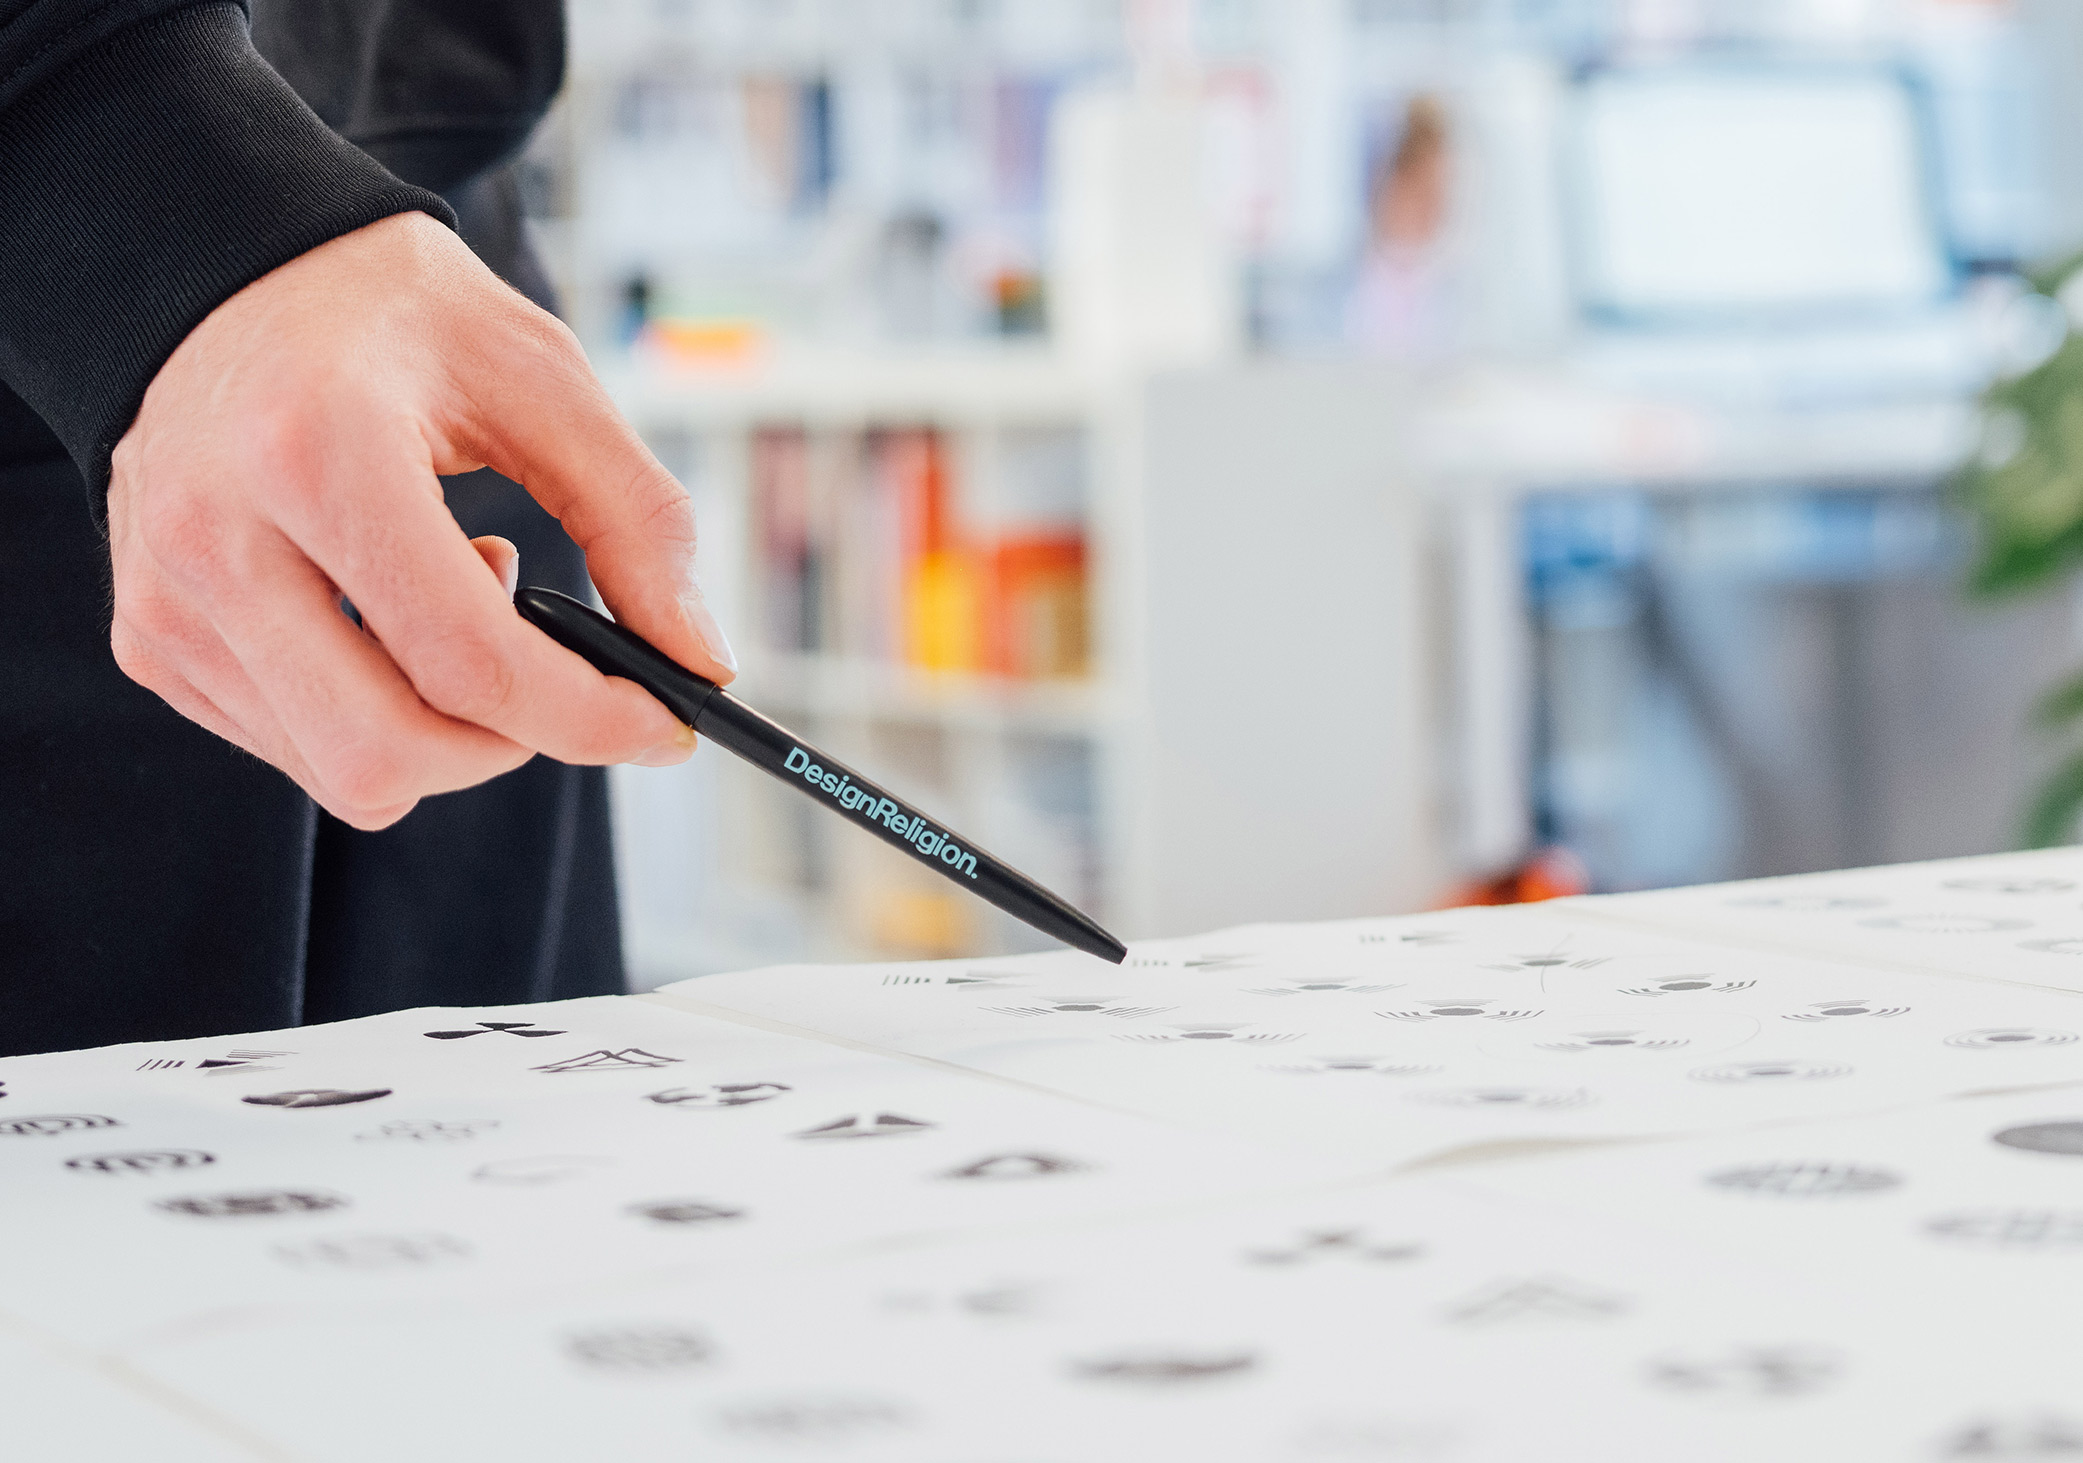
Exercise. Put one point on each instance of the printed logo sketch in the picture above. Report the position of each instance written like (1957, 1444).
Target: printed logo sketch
(2011, 1229)
(486, 1028)
(1017, 1166)
(2010, 886)
(240, 1061)
(2017, 1437)
(553, 1168)
(1945, 924)
(1591, 1041)
(1505, 1097)
(638, 1348)
(1472, 1006)
(2064, 1136)
(1679, 985)
(2063, 945)
(1324, 988)
(1207, 1031)
(50, 1125)
(1420, 938)
(1082, 1006)
(1793, 1069)
(608, 1061)
(1004, 1298)
(374, 1252)
(974, 978)
(1547, 962)
(315, 1097)
(1808, 903)
(1807, 1180)
(1536, 1298)
(160, 1064)
(426, 1131)
(864, 1125)
(1829, 1010)
(1374, 1066)
(825, 1421)
(1336, 1244)
(252, 1202)
(158, 1161)
(723, 1094)
(685, 1211)
(1744, 1372)
(1989, 1038)
(1191, 962)
(1162, 1367)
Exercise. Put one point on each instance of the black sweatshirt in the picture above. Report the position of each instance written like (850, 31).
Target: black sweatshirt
(157, 156)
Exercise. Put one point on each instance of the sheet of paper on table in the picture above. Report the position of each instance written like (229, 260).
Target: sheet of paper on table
(1671, 1175)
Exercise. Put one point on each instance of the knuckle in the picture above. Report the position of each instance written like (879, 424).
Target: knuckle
(366, 779)
(463, 675)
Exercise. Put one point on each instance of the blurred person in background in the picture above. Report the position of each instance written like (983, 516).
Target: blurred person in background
(1398, 304)
(263, 421)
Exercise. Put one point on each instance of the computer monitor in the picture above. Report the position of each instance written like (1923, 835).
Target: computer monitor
(1752, 194)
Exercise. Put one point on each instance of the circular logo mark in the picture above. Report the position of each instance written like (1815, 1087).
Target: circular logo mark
(1989, 1038)
(2059, 1137)
(1795, 1069)
(315, 1097)
(686, 1211)
(49, 1125)
(2011, 1229)
(156, 1162)
(639, 1349)
(1805, 1180)
(1505, 1097)
(1945, 924)
(725, 1094)
(251, 1202)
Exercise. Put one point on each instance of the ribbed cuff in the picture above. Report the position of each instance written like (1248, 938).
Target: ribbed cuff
(143, 186)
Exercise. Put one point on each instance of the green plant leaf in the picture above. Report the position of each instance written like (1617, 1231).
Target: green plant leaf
(2060, 705)
(2052, 818)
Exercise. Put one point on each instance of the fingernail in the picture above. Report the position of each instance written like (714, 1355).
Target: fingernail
(669, 754)
(510, 574)
(712, 637)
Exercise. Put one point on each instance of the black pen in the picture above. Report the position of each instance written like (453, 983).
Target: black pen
(716, 714)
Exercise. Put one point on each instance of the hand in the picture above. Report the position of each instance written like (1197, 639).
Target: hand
(287, 454)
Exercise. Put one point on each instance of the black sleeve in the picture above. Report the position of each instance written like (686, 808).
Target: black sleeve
(151, 166)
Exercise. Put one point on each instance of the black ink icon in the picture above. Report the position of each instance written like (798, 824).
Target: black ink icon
(2010, 886)
(1017, 1166)
(1436, 1010)
(315, 1097)
(686, 1211)
(486, 1028)
(2065, 1137)
(548, 1169)
(608, 1061)
(1505, 1097)
(820, 1421)
(1991, 1038)
(1205, 1031)
(1685, 984)
(1165, 1368)
(2017, 1438)
(253, 1202)
(1082, 1006)
(423, 1131)
(639, 1349)
(864, 1125)
(1795, 1069)
(1374, 1066)
(160, 1064)
(160, 1161)
(51, 1124)
(1761, 1372)
(1945, 924)
(1538, 1298)
(723, 1094)
(2011, 1229)
(1829, 1010)
(374, 1252)
(239, 1061)
(1591, 1041)
(1335, 1244)
(1217, 962)
(1323, 988)
(1805, 1180)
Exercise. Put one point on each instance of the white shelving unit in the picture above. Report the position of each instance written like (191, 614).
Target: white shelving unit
(1254, 741)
